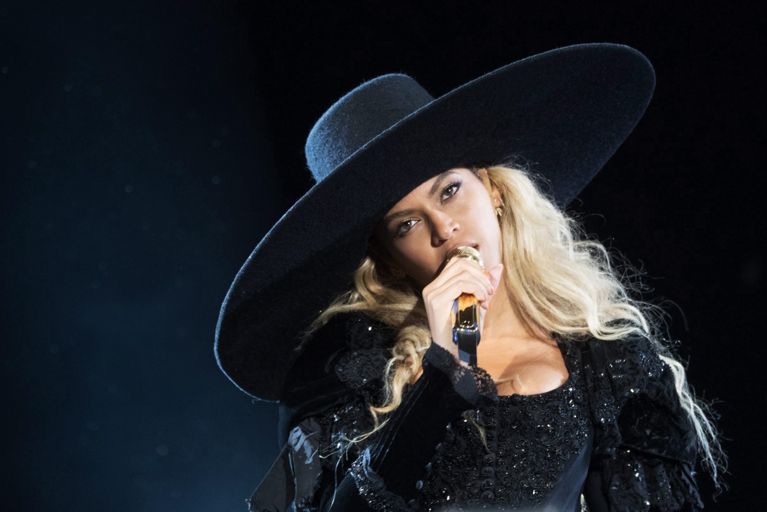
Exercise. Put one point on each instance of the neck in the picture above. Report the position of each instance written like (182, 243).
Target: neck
(501, 320)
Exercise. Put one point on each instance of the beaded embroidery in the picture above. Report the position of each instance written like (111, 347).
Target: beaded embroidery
(528, 438)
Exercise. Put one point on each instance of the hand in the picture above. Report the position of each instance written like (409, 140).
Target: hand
(460, 275)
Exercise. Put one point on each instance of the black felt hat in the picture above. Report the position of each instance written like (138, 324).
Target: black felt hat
(566, 111)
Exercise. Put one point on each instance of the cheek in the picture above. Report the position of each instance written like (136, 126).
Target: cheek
(411, 256)
(407, 255)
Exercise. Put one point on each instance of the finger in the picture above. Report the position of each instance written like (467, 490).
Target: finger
(461, 284)
(449, 290)
(472, 269)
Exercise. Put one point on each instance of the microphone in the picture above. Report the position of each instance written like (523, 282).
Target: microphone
(466, 312)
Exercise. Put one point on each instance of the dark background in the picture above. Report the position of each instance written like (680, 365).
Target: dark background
(148, 146)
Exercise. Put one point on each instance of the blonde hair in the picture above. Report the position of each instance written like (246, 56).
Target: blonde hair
(558, 280)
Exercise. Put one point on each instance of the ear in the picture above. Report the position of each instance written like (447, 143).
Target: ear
(496, 198)
(495, 195)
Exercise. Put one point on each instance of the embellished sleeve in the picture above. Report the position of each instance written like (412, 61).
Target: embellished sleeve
(381, 472)
(645, 446)
(387, 472)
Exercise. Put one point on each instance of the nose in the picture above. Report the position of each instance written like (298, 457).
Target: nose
(444, 227)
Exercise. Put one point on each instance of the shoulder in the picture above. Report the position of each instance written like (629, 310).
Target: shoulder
(633, 349)
(624, 371)
(352, 330)
(342, 361)
(367, 349)
(629, 365)
(346, 337)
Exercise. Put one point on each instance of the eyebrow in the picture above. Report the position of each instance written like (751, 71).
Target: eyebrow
(440, 178)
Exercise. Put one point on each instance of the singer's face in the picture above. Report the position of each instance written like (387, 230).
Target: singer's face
(453, 208)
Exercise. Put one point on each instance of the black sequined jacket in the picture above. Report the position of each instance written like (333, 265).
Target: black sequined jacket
(613, 437)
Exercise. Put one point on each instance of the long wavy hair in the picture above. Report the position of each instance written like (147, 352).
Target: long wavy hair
(558, 280)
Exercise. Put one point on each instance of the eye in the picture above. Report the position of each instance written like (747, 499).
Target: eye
(401, 225)
(456, 184)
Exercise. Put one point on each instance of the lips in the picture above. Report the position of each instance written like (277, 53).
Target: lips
(469, 244)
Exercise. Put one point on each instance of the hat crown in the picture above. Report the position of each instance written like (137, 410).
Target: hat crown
(358, 117)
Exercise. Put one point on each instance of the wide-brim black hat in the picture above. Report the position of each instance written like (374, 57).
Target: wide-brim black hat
(565, 111)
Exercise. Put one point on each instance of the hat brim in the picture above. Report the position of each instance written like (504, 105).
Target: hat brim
(566, 111)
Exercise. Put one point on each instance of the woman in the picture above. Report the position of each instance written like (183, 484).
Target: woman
(574, 403)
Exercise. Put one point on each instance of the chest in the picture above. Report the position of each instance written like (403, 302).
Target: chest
(523, 449)
(523, 367)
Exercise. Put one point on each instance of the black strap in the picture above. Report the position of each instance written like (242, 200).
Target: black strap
(466, 332)
(467, 341)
